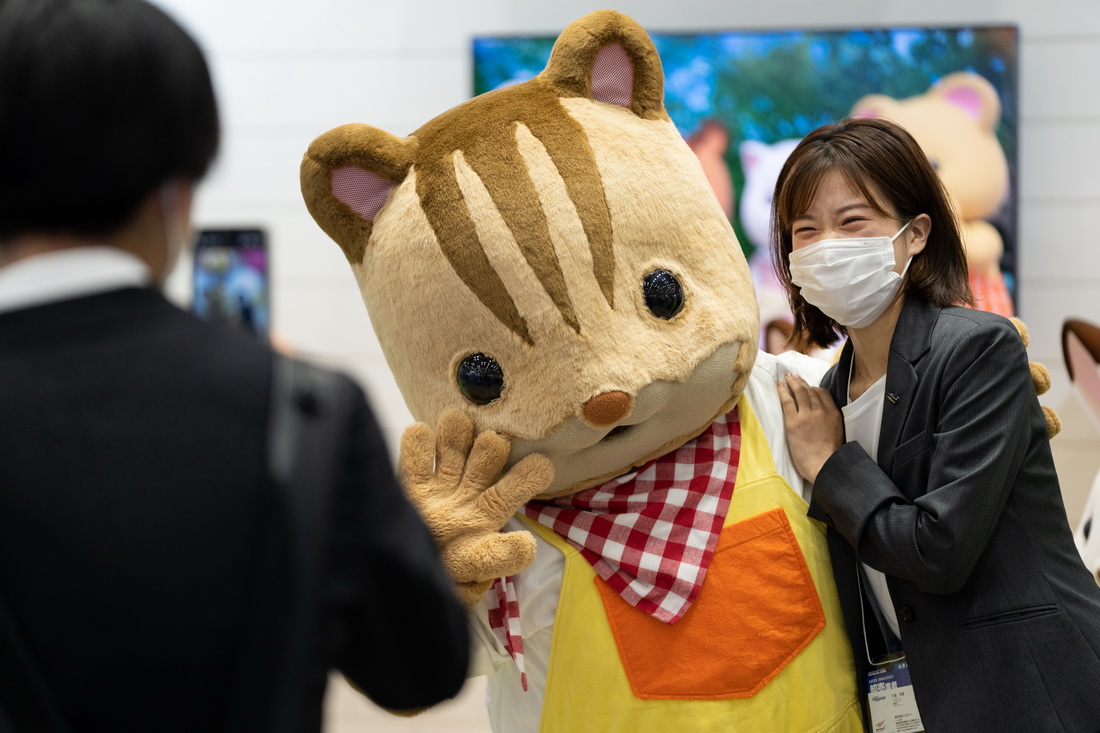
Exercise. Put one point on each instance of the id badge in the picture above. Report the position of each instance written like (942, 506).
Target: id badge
(890, 694)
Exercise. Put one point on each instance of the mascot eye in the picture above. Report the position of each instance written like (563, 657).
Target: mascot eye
(663, 295)
(480, 378)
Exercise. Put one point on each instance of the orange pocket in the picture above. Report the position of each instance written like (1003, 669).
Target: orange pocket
(757, 609)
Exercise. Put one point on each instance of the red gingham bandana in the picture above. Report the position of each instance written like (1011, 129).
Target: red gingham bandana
(650, 534)
(504, 621)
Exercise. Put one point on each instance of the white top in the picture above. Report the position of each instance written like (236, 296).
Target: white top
(862, 422)
(69, 273)
(511, 709)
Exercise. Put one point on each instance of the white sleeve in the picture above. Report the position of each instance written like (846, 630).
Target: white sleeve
(537, 588)
(809, 368)
(762, 393)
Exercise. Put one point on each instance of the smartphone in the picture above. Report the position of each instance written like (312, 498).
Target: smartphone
(230, 279)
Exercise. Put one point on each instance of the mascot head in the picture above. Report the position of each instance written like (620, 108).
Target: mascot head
(549, 259)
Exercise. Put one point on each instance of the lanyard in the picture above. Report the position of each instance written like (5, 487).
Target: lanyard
(890, 656)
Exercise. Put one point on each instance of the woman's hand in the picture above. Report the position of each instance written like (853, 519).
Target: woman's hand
(814, 426)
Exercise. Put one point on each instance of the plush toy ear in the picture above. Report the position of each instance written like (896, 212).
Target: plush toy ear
(1081, 349)
(874, 105)
(972, 94)
(750, 152)
(347, 175)
(607, 57)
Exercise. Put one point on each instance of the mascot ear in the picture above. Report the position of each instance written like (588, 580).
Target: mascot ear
(874, 105)
(972, 94)
(607, 57)
(347, 175)
(750, 151)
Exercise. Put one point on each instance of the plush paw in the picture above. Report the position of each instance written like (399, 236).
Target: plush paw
(455, 480)
(1040, 377)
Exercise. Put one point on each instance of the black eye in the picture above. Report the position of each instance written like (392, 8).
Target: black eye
(480, 378)
(663, 295)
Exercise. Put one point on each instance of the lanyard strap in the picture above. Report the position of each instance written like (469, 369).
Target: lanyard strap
(882, 628)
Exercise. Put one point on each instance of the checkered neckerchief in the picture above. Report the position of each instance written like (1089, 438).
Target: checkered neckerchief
(650, 534)
(504, 621)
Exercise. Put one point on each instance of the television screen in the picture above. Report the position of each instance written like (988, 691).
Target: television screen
(743, 99)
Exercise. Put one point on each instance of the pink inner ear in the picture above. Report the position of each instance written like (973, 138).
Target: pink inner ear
(967, 100)
(613, 76)
(866, 112)
(363, 191)
(1085, 374)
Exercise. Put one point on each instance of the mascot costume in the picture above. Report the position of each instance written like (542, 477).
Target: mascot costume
(546, 267)
(1081, 349)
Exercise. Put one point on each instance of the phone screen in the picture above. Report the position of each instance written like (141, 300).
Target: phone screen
(230, 279)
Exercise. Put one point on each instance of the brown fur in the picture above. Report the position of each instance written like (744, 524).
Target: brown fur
(484, 129)
(523, 230)
(350, 145)
(570, 65)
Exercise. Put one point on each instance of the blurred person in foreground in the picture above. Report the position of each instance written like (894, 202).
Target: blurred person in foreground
(148, 576)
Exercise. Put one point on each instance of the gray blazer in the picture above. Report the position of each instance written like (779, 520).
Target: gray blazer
(999, 618)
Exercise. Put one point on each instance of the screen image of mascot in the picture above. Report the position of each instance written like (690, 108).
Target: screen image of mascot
(561, 298)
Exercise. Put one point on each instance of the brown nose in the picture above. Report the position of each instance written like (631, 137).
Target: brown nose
(607, 408)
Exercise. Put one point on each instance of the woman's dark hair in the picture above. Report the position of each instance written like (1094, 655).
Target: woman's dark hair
(886, 165)
(101, 102)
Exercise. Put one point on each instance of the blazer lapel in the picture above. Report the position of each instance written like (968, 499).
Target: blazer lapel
(909, 344)
(838, 384)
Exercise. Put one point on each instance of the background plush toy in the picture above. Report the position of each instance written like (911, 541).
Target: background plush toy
(547, 267)
(955, 123)
(709, 143)
(761, 163)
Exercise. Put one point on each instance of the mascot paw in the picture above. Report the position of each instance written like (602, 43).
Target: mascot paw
(1040, 377)
(456, 482)
(1054, 423)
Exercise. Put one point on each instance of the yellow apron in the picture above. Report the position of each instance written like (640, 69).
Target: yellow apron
(761, 649)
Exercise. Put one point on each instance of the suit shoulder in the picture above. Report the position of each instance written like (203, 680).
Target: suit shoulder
(957, 322)
(963, 337)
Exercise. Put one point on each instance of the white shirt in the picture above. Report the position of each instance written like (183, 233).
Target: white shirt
(862, 422)
(69, 273)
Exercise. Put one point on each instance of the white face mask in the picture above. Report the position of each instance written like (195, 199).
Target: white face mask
(850, 280)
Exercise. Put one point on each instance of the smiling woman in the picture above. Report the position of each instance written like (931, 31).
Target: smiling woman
(947, 533)
(852, 278)
(873, 179)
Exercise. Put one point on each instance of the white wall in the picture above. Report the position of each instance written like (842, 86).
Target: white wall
(287, 70)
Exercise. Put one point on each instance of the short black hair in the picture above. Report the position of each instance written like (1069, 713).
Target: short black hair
(101, 102)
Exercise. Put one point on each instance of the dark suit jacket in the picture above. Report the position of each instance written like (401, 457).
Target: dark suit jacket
(141, 551)
(962, 511)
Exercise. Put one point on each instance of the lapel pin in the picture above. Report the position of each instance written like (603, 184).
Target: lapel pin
(892, 397)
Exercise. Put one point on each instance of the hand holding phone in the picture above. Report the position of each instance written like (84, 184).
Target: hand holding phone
(230, 279)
